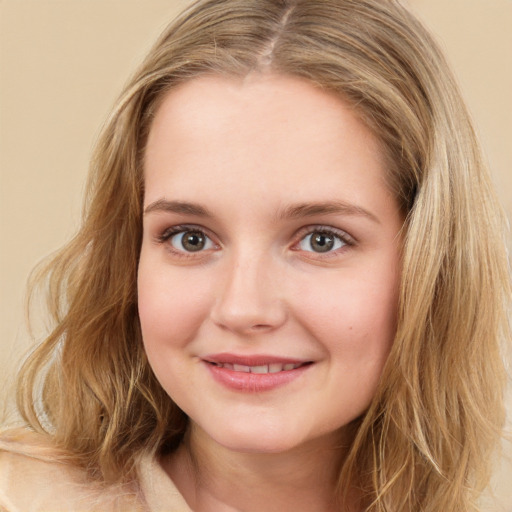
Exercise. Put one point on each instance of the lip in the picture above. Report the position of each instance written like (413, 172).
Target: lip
(251, 360)
(248, 382)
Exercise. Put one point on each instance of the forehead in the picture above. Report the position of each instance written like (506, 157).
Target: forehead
(225, 101)
(263, 132)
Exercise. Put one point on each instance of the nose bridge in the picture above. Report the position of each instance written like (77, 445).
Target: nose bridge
(249, 299)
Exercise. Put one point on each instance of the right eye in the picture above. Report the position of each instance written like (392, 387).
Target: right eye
(190, 240)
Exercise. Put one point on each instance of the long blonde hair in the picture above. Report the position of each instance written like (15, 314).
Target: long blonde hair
(427, 439)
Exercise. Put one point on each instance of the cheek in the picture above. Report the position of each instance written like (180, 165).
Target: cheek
(354, 318)
(171, 308)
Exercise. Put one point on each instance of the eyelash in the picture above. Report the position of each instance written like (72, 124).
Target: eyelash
(338, 234)
(342, 236)
(169, 233)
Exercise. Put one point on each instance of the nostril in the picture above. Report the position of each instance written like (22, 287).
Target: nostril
(240, 310)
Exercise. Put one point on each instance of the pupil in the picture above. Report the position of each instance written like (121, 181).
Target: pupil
(193, 241)
(321, 242)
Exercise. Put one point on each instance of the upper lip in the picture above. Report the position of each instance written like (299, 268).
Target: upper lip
(251, 360)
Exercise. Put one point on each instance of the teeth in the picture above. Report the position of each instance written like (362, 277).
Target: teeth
(262, 369)
(241, 368)
(275, 368)
(259, 369)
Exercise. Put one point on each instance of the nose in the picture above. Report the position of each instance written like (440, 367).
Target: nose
(249, 300)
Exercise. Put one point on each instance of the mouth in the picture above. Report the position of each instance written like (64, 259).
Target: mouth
(261, 369)
(255, 373)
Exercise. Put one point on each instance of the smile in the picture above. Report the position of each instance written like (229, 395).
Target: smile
(261, 369)
(252, 374)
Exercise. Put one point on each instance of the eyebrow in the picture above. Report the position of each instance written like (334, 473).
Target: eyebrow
(293, 211)
(186, 208)
(325, 208)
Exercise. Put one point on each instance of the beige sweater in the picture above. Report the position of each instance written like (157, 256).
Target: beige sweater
(32, 479)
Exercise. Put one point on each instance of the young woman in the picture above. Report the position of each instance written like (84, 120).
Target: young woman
(290, 289)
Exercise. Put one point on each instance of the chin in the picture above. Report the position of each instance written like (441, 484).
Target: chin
(262, 439)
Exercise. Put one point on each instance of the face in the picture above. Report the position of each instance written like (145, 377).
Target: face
(269, 266)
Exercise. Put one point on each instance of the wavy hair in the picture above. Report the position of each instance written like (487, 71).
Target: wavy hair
(427, 440)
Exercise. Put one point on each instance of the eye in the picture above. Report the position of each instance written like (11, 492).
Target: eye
(191, 240)
(322, 241)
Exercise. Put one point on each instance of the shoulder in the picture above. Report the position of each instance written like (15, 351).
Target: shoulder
(35, 477)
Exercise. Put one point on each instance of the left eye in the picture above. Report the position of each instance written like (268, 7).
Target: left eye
(321, 241)
(191, 241)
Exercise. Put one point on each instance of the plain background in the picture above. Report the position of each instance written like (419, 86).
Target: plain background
(62, 64)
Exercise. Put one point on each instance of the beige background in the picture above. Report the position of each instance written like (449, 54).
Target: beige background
(62, 63)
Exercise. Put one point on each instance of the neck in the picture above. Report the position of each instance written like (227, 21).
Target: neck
(212, 477)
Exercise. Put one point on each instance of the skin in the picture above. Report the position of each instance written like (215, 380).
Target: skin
(248, 153)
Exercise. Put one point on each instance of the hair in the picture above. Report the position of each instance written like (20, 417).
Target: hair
(427, 440)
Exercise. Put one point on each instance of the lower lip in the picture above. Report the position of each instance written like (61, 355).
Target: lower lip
(254, 382)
